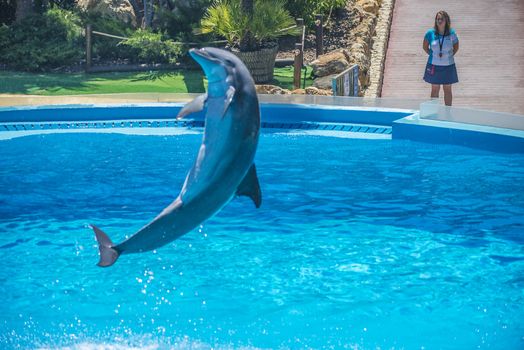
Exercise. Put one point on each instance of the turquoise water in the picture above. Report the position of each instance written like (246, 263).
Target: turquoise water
(358, 244)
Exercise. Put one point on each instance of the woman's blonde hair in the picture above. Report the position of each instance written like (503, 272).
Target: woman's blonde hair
(444, 15)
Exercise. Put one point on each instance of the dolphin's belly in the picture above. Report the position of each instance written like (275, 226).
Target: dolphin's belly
(224, 158)
(170, 226)
(220, 166)
(212, 188)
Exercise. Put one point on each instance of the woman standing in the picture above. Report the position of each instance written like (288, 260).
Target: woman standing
(441, 44)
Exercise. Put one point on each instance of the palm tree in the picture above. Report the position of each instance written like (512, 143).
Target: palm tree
(255, 31)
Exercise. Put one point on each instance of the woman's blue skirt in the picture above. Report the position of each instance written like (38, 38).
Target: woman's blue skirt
(441, 75)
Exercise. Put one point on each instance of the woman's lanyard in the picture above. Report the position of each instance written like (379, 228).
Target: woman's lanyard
(441, 43)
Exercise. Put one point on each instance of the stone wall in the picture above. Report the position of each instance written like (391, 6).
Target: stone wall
(276, 90)
(330, 64)
(380, 46)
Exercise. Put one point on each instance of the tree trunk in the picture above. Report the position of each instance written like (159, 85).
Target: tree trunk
(24, 8)
(137, 9)
(247, 42)
(149, 12)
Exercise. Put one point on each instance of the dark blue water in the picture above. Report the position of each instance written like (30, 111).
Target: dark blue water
(358, 243)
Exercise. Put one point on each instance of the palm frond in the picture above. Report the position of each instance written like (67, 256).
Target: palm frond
(270, 20)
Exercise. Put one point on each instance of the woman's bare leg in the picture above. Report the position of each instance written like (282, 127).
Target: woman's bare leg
(435, 90)
(448, 95)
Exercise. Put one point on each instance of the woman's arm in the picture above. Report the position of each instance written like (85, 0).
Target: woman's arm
(455, 48)
(425, 46)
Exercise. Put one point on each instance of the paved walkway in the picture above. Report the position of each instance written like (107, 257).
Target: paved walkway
(26, 100)
(490, 61)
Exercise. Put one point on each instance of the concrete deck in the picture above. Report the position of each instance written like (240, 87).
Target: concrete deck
(490, 62)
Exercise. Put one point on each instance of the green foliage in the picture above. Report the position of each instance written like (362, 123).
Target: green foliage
(63, 4)
(182, 19)
(108, 48)
(153, 47)
(50, 40)
(225, 18)
(7, 11)
(4, 38)
(307, 9)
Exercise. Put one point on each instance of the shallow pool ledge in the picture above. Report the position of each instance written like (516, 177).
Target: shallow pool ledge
(401, 123)
(470, 135)
(270, 112)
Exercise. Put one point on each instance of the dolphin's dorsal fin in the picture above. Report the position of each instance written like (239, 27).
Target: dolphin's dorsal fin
(193, 107)
(250, 187)
(230, 93)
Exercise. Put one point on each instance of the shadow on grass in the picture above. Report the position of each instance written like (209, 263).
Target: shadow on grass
(153, 76)
(180, 81)
(31, 83)
(283, 77)
(101, 83)
(194, 81)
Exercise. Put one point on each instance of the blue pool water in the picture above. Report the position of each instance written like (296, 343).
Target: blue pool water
(358, 244)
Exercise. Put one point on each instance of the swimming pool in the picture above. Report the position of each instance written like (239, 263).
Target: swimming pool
(358, 244)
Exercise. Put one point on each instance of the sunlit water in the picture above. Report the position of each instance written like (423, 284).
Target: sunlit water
(358, 244)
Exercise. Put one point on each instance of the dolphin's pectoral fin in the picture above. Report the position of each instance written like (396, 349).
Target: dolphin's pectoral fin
(108, 254)
(250, 187)
(193, 107)
(230, 93)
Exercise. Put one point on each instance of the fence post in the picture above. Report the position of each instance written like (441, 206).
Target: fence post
(301, 39)
(299, 57)
(319, 34)
(89, 47)
(300, 24)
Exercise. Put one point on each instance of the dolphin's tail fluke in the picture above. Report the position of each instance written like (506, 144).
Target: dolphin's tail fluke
(108, 254)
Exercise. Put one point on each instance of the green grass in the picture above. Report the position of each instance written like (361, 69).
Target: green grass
(106, 83)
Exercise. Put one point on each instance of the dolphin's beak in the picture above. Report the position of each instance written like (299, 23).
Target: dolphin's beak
(195, 53)
(204, 59)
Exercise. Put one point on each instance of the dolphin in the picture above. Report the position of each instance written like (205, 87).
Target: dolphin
(224, 166)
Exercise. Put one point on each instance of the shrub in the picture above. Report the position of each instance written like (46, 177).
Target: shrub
(4, 38)
(226, 19)
(108, 48)
(7, 11)
(153, 47)
(307, 9)
(51, 40)
(182, 18)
